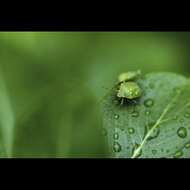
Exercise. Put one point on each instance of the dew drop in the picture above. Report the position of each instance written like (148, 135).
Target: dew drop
(127, 147)
(135, 114)
(154, 151)
(131, 130)
(116, 147)
(187, 145)
(116, 116)
(162, 150)
(178, 154)
(187, 115)
(181, 120)
(155, 134)
(182, 132)
(147, 128)
(148, 102)
(116, 136)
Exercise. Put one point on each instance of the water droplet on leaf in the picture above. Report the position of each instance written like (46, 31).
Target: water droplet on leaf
(135, 114)
(178, 154)
(116, 116)
(187, 145)
(116, 135)
(148, 102)
(131, 130)
(139, 152)
(182, 132)
(116, 147)
(154, 134)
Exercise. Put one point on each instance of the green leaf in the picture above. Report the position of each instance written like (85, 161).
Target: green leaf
(157, 126)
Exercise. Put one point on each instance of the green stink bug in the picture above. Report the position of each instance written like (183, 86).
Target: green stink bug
(127, 88)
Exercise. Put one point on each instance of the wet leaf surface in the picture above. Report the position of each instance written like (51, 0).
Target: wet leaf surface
(157, 125)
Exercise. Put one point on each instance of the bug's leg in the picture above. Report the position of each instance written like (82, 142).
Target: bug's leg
(134, 101)
(122, 101)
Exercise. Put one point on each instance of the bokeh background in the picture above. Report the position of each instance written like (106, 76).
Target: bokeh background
(51, 84)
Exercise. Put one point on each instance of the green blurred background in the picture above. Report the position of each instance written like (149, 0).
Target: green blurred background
(51, 82)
